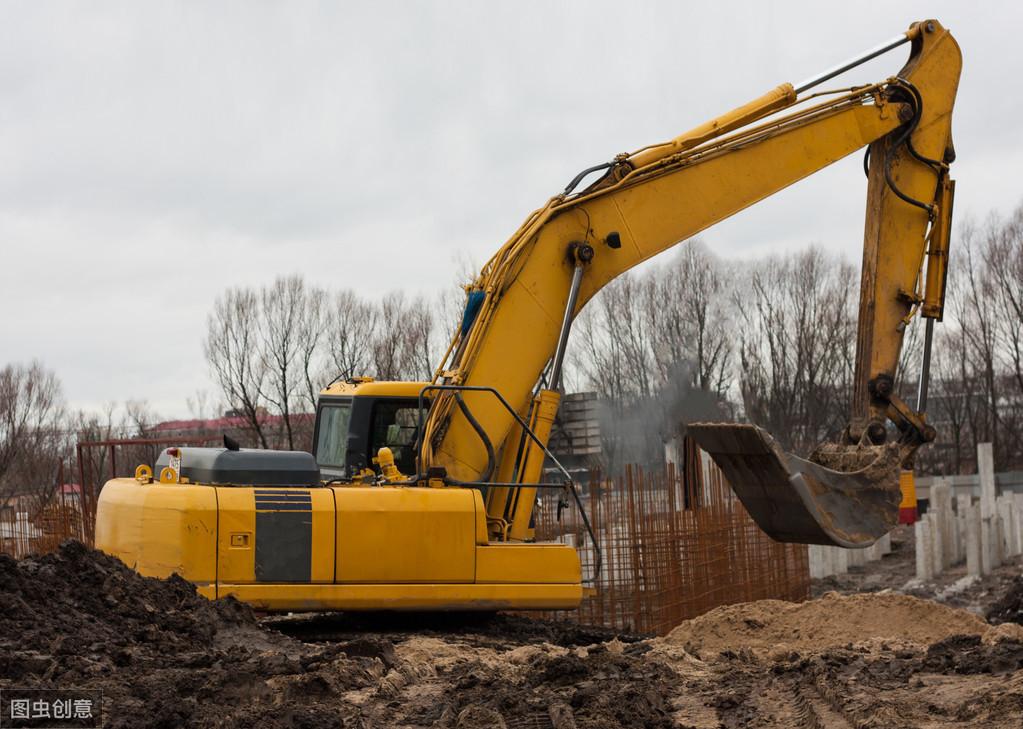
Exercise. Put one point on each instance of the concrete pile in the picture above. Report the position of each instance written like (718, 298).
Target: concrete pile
(829, 561)
(982, 532)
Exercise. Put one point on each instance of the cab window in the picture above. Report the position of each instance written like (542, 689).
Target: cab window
(332, 436)
(394, 427)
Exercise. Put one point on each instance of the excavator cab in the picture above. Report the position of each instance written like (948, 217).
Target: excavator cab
(355, 419)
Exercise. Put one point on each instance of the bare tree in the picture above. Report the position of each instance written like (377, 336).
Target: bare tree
(350, 330)
(232, 349)
(32, 442)
(202, 406)
(974, 308)
(796, 335)
(417, 334)
(951, 400)
(617, 355)
(283, 309)
(688, 315)
(388, 352)
(311, 356)
(1003, 257)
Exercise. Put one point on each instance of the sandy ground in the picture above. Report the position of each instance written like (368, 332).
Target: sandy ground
(165, 657)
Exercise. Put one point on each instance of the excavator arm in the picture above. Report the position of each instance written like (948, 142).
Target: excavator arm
(520, 308)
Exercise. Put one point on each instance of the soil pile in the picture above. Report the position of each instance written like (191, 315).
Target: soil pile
(1009, 609)
(830, 621)
(161, 654)
(165, 657)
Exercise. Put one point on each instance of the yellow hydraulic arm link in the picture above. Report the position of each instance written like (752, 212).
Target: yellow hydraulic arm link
(648, 201)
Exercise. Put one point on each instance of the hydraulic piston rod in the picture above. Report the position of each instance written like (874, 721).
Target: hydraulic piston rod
(583, 254)
(852, 62)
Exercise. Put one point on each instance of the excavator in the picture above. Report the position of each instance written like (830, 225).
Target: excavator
(421, 495)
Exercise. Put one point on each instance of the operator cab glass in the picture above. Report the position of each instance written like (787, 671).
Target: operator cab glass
(331, 448)
(350, 431)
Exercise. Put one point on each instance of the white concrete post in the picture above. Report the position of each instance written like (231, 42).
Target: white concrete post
(974, 552)
(924, 560)
(841, 557)
(937, 540)
(856, 557)
(963, 502)
(988, 524)
(874, 551)
(1008, 527)
(1017, 503)
(817, 566)
(941, 509)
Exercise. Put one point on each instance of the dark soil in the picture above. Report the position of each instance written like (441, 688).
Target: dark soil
(162, 655)
(1009, 608)
(165, 657)
(600, 689)
(497, 630)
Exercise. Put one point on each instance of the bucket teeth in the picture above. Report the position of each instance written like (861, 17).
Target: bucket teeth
(795, 500)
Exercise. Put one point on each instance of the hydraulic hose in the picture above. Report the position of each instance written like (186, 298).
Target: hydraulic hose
(491, 459)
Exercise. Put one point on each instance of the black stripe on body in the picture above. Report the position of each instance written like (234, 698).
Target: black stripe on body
(284, 544)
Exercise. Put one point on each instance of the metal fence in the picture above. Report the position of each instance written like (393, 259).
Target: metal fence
(675, 544)
(37, 523)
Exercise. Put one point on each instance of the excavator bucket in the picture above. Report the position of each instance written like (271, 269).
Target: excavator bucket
(796, 500)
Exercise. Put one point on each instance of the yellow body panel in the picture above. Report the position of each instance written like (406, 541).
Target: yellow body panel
(405, 534)
(238, 536)
(158, 529)
(408, 597)
(527, 563)
(397, 548)
(383, 388)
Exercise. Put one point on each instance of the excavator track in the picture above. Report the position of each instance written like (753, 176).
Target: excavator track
(795, 500)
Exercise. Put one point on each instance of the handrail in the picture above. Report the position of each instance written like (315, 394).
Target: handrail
(569, 481)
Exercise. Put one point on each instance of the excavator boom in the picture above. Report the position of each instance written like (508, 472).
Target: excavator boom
(644, 203)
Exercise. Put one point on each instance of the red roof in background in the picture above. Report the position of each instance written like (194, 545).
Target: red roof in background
(70, 488)
(224, 423)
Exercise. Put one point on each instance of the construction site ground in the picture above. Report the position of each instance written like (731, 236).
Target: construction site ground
(163, 656)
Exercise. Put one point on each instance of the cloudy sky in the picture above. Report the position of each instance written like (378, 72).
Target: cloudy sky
(153, 154)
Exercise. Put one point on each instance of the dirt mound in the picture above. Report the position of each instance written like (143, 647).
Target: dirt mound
(79, 600)
(1009, 609)
(830, 621)
(165, 657)
(161, 654)
(958, 682)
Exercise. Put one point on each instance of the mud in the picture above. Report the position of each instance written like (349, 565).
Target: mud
(165, 657)
(1009, 608)
(162, 655)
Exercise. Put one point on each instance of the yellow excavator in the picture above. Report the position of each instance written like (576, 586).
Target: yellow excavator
(420, 495)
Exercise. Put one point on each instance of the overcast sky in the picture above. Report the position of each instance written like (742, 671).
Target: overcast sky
(152, 155)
